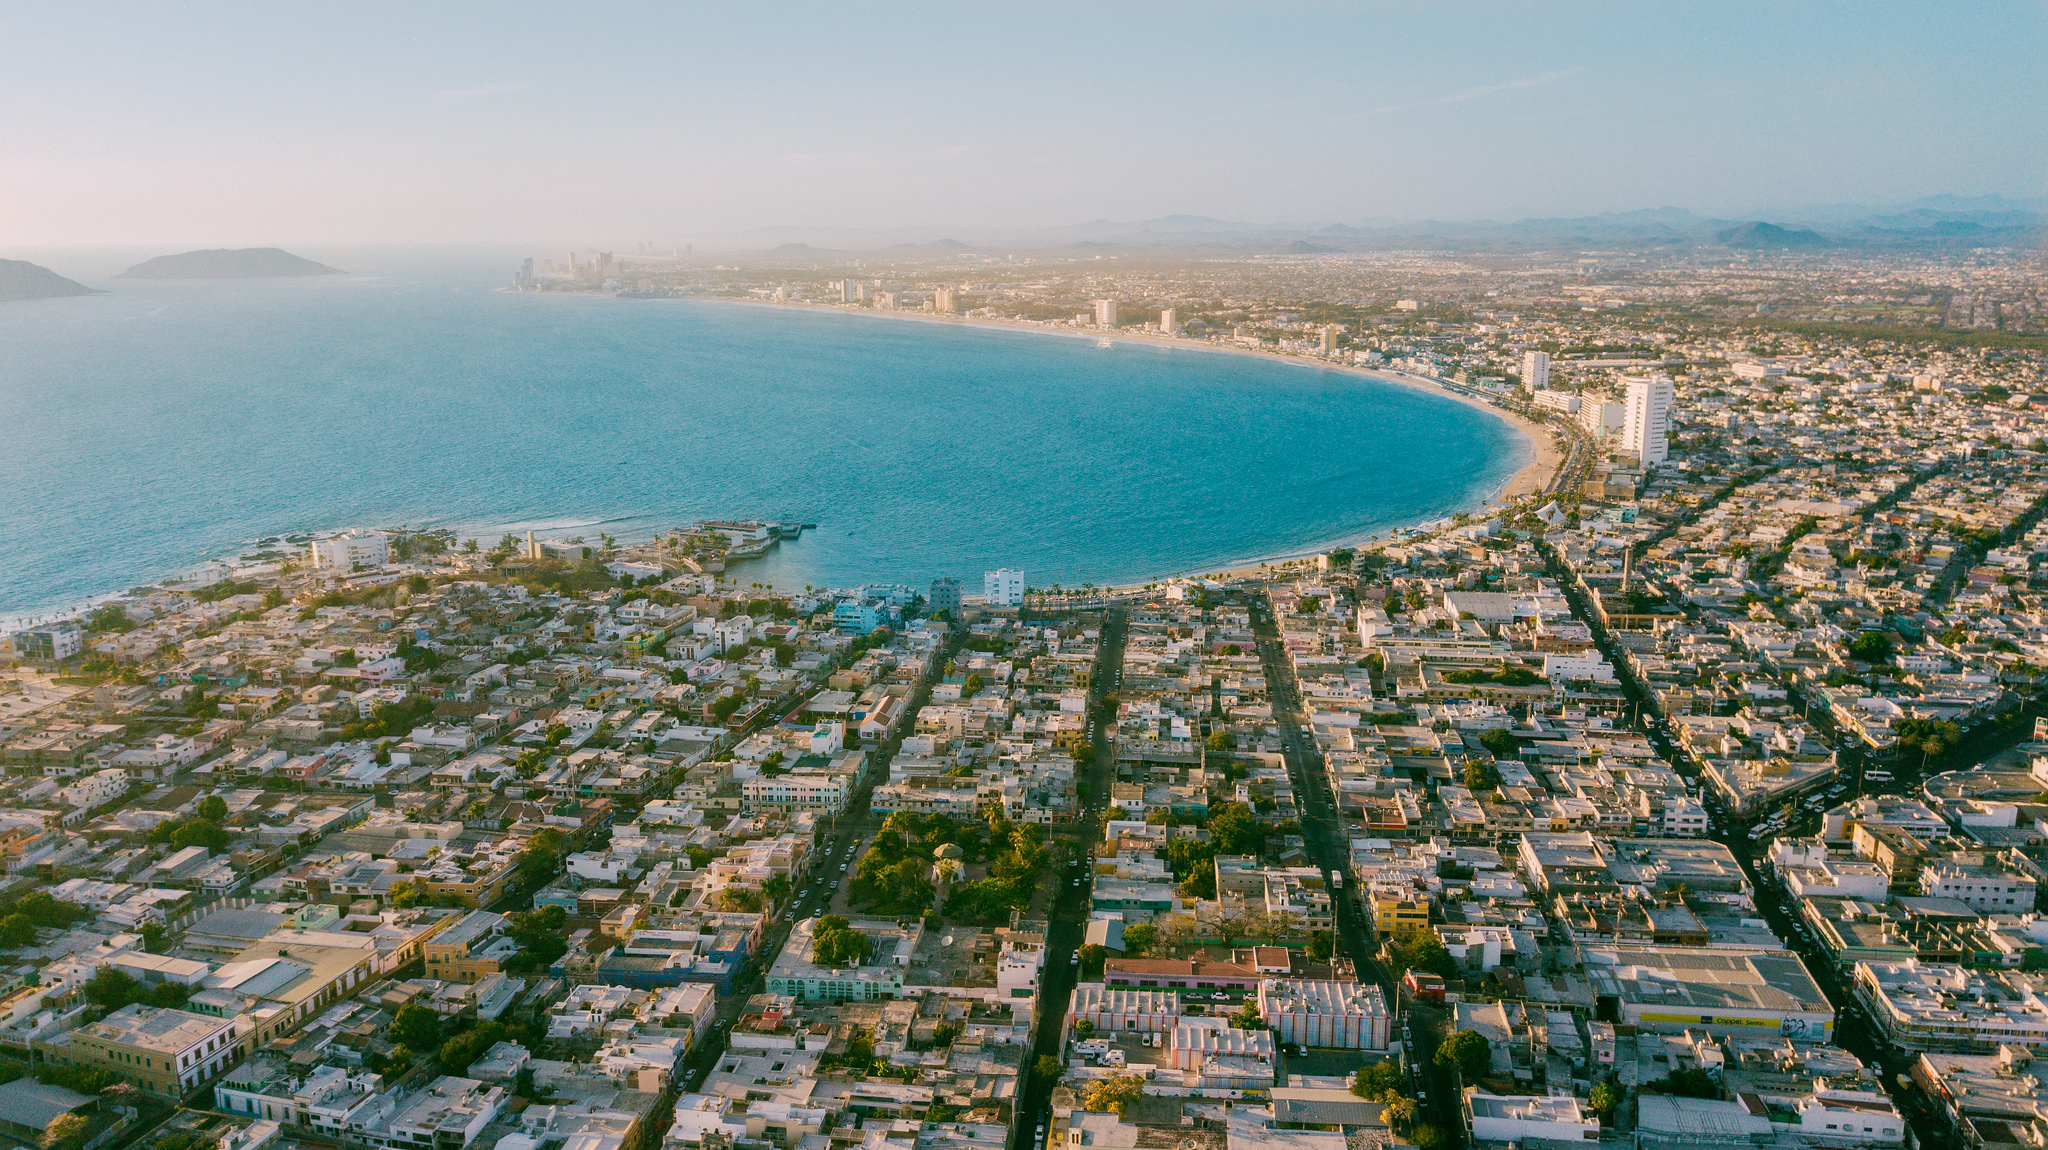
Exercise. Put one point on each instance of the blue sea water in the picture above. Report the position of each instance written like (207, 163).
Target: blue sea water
(163, 424)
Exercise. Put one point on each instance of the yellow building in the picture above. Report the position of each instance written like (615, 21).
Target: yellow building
(469, 950)
(163, 1051)
(287, 979)
(1394, 915)
(472, 889)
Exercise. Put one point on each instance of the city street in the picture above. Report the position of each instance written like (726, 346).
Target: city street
(1068, 917)
(1322, 828)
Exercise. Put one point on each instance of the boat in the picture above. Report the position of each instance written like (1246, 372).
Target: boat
(1104, 342)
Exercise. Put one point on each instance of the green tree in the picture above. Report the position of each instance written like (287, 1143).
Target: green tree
(542, 857)
(45, 909)
(418, 1027)
(1049, 1067)
(17, 930)
(1321, 945)
(111, 618)
(835, 943)
(1872, 647)
(1222, 741)
(1379, 1082)
(540, 934)
(1468, 1052)
(1247, 1017)
(1422, 950)
(65, 1132)
(1094, 955)
(1111, 1095)
(155, 939)
(1606, 1099)
(1481, 777)
(1139, 938)
(212, 808)
(200, 832)
(1498, 743)
(112, 988)
(1400, 1115)
(458, 1052)
(1236, 830)
(739, 899)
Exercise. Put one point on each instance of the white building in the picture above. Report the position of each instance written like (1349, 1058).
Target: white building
(1600, 417)
(1005, 588)
(1647, 419)
(353, 550)
(58, 641)
(1169, 320)
(1105, 313)
(1981, 888)
(1587, 664)
(823, 793)
(1496, 1118)
(1939, 1006)
(944, 301)
(1313, 1012)
(94, 789)
(1685, 819)
(1535, 370)
(1563, 401)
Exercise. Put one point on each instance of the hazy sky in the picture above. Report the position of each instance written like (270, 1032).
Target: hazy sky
(246, 124)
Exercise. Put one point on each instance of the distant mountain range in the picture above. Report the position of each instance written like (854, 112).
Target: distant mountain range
(1763, 236)
(228, 264)
(1936, 222)
(20, 280)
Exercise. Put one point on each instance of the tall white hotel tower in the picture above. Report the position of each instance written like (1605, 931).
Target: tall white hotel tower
(1648, 416)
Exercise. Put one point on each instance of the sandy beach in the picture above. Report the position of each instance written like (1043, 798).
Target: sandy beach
(1534, 477)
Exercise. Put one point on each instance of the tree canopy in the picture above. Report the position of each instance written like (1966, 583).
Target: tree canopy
(835, 943)
(1468, 1052)
(1113, 1094)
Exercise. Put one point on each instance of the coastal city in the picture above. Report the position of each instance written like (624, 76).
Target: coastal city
(1690, 793)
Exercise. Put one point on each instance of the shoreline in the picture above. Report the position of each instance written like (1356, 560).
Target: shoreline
(1533, 476)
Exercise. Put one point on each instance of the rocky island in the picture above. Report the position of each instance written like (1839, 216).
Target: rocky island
(228, 264)
(21, 280)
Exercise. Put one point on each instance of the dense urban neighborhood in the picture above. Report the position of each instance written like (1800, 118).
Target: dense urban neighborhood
(1694, 792)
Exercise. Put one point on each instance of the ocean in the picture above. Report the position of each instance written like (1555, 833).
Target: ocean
(166, 424)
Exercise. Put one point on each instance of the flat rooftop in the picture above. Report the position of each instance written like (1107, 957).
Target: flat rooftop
(156, 1028)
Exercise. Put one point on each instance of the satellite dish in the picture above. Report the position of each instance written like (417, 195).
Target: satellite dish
(949, 940)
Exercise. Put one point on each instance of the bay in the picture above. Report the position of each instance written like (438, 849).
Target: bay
(164, 424)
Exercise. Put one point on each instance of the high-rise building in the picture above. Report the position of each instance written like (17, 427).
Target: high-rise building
(1648, 417)
(848, 290)
(1004, 588)
(943, 301)
(1535, 370)
(1105, 313)
(945, 596)
(1329, 339)
(1168, 321)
